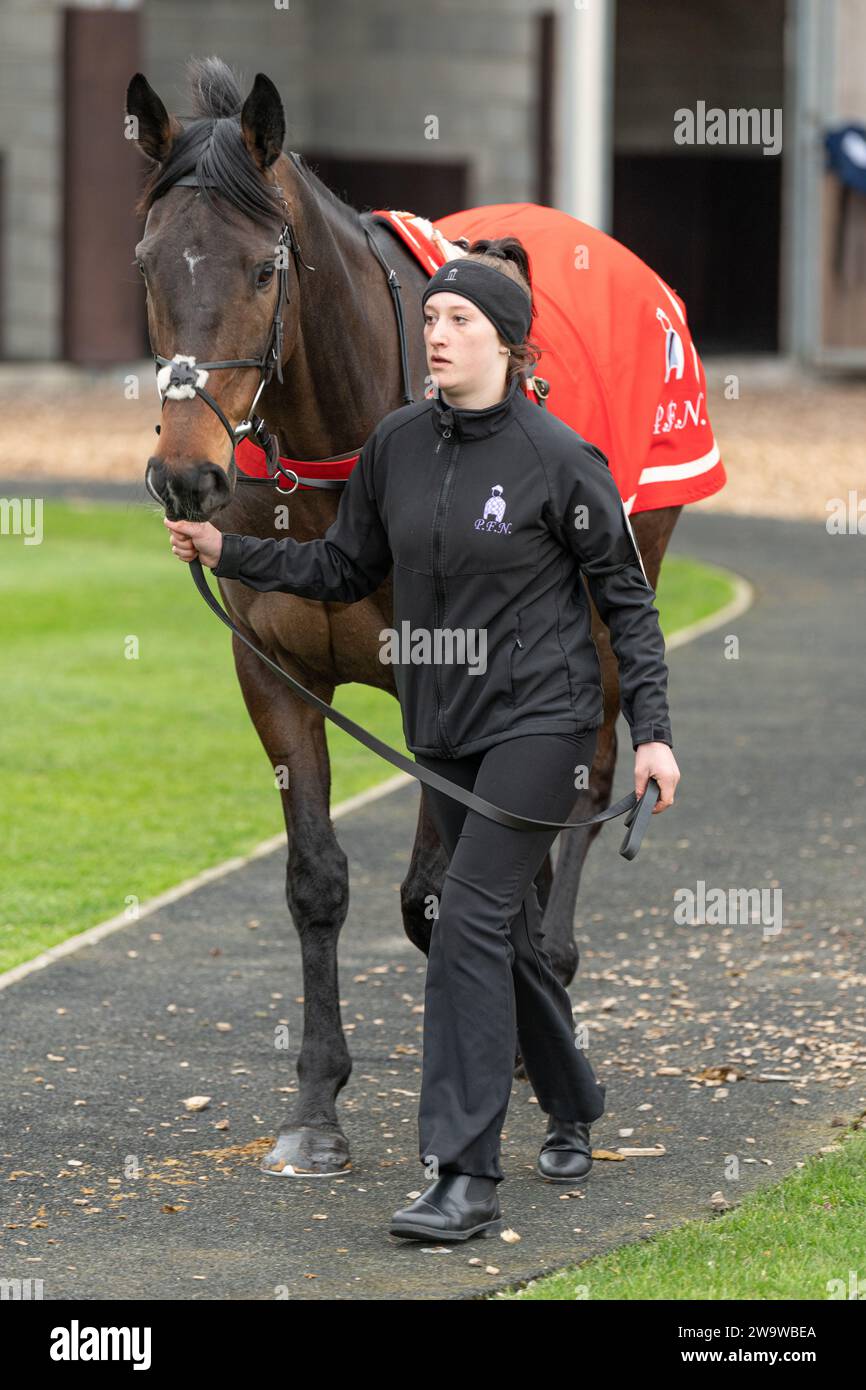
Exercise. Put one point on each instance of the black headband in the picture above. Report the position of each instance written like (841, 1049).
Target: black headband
(508, 307)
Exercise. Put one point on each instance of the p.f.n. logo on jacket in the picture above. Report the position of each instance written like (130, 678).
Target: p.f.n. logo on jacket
(488, 518)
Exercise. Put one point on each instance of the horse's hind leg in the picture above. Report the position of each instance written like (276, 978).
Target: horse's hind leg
(310, 1141)
(652, 532)
(420, 889)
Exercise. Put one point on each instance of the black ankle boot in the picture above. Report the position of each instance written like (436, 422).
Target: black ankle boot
(566, 1154)
(455, 1207)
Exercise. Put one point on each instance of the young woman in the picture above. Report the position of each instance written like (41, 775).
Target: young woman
(488, 508)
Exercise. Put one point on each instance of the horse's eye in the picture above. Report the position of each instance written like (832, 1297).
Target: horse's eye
(265, 276)
(141, 269)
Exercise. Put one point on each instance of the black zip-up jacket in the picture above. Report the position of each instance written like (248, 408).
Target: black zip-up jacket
(488, 517)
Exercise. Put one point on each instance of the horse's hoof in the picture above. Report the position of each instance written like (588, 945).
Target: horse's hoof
(308, 1152)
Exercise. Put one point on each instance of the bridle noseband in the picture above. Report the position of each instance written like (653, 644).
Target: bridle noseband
(181, 377)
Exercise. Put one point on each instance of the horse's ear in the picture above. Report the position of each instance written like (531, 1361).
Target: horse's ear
(154, 131)
(263, 122)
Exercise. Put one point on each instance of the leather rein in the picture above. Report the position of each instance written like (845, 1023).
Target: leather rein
(182, 377)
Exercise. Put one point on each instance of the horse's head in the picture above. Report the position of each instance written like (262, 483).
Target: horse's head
(221, 284)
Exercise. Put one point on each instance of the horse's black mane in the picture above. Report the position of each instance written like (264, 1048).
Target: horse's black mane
(211, 146)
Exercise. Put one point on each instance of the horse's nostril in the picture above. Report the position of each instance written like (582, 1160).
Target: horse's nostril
(213, 488)
(155, 480)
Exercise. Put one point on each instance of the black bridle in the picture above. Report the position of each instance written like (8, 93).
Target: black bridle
(184, 372)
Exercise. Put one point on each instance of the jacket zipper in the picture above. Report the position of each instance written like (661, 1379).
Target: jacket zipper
(516, 643)
(438, 568)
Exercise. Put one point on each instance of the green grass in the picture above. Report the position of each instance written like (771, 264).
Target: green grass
(124, 775)
(782, 1242)
(688, 592)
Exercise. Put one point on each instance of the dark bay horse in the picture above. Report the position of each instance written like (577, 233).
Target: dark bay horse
(208, 259)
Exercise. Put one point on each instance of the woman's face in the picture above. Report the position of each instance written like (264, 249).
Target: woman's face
(463, 347)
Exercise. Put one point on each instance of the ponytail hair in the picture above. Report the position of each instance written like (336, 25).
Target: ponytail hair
(509, 256)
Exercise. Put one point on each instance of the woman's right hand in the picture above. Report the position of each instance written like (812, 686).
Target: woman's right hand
(195, 540)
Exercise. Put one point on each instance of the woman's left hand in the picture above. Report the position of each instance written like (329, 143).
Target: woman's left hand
(656, 760)
(195, 540)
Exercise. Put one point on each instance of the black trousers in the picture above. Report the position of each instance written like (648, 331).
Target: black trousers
(490, 983)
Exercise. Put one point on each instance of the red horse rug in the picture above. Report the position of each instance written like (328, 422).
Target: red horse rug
(616, 351)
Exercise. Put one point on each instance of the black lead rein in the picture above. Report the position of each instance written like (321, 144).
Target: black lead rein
(639, 809)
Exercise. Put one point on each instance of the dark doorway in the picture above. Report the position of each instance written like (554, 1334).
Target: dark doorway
(104, 317)
(708, 218)
(431, 190)
(710, 227)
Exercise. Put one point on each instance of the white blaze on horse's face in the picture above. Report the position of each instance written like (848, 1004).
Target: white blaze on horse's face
(192, 260)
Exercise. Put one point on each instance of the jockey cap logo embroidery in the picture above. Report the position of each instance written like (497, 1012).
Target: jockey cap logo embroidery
(675, 357)
(494, 511)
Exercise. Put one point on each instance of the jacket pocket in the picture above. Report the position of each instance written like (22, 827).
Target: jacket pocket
(516, 646)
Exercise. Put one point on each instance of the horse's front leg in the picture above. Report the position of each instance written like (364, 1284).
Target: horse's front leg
(317, 893)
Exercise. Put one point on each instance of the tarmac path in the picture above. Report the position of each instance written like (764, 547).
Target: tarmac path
(111, 1189)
